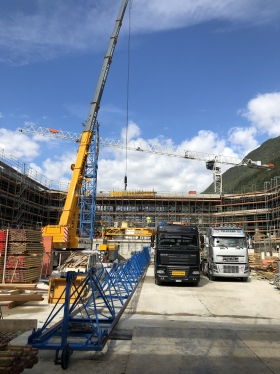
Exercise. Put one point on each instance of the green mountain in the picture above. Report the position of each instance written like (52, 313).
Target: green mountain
(240, 179)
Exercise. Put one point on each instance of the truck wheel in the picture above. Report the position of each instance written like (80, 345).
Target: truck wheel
(211, 277)
(157, 282)
(195, 284)
(244, 279)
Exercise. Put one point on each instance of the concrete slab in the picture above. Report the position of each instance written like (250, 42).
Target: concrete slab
(17, 325)
(167, 350)
(223, 297)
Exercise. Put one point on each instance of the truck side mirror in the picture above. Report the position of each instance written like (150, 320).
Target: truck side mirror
(152, 241)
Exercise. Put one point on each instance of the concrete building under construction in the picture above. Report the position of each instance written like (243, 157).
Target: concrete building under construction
(29, 200)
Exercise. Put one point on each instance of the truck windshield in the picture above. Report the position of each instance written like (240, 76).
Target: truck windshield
(229, 242)
(177, 240)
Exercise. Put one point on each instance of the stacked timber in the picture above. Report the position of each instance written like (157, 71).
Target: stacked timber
(263, 268)
(75, 261)
(1, 267)
(14, 359)
(16, 294)
(2, 242)
(2, 252)
(24, 256)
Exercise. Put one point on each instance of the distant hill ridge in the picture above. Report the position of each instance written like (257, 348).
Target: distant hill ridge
(240, 179)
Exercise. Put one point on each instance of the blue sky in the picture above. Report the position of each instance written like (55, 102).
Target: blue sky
(204, 76)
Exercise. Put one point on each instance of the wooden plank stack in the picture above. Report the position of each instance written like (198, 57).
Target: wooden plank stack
(24, 256)
(2, 251)
(75, 261)
(263, 268)
(14, 359)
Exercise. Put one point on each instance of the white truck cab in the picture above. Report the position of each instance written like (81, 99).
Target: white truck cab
(226, 253)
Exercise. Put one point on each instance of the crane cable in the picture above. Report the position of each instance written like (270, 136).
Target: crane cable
(127, 91)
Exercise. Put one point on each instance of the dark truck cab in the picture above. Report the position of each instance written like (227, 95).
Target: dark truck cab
(177, 254)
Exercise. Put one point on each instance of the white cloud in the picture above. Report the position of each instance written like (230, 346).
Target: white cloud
(163, 173)
(264, 113)
(243, 139)
(59, 168)
(54, 28)
(19, 145)
(29, 123)
(132, 132)
(1, 115)
(152, 171)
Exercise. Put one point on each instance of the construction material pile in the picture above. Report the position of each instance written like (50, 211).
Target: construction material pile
(76, 261)
(18, 296)
(5, 338)
(263, 268)
(14, 359)
(24, 254)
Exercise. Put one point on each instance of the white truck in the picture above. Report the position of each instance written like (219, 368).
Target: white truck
(225, 253)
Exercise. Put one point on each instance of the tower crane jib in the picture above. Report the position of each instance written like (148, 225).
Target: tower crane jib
(213, 161)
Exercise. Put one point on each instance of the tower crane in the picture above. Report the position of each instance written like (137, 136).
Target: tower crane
(213, 161)
(85, 168)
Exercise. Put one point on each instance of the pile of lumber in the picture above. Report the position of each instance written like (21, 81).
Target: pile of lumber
(2, 242)
(24, 255)
(15, 358)
(263, 268)
(75, 261)
(6, 337)
(1, 267)
(16, 294)
(16, 297)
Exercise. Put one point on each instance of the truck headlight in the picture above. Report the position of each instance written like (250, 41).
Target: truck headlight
(160, 271)
(195, 272)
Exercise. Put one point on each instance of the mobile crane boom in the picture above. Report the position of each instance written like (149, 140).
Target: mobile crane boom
(65, 233)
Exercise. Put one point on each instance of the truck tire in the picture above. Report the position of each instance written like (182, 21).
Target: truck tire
(195, 284)
(157, 282)
(212, 277)
(244, 279)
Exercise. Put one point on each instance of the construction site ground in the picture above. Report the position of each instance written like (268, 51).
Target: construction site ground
(222, 326)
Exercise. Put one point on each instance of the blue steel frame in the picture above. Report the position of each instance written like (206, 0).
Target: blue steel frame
(88, 191)
(99, 301)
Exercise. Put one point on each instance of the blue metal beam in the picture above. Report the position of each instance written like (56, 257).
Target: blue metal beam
(99, 301)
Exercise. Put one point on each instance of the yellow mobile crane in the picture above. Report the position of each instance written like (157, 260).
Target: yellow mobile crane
(65, 233)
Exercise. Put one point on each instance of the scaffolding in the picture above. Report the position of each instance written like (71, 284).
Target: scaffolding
(29, 200)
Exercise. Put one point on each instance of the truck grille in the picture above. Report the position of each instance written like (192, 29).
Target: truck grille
(177, 259)
(230, 259)
(231, 269)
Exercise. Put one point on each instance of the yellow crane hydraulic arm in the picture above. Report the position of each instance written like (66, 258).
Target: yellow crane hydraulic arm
(65, 233)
